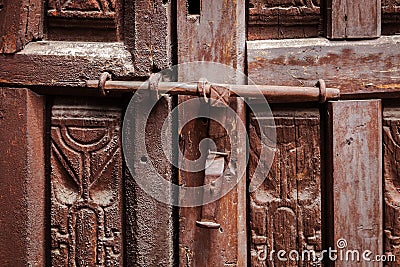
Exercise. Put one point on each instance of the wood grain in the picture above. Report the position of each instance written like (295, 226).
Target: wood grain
(20, 22)
(285, 212)
(357, 68)
(147, 33)
(23, 187)
(354, 175)
(391, 146)
(349, 19)
(217, 34)
(53, 63)
(281, 19)
(149, 224)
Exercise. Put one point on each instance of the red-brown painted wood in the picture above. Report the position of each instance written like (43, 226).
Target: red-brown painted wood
(391, 148)
(358, 68)
(22, 176)
(21, 21)
(354, 178)
(217, 34)
(282, 19)
(86, 183)
(349, 19)
(285, 212)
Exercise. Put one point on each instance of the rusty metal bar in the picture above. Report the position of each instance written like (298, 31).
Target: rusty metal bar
(274, 94)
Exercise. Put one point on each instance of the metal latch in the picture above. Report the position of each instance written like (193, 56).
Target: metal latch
(273, 94)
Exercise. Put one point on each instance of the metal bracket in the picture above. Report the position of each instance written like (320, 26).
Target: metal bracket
(215, 166)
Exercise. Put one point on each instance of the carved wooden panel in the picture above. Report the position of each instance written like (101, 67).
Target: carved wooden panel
(279, 19)
(86, 185)
(391, 150)
(81, 20)
(82, 8)
(390, 16)
(285, 212)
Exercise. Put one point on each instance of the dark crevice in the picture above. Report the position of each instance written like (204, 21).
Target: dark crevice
(194, 7)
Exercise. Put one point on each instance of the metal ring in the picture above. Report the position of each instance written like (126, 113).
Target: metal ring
(322, 91)
(104, 77)
(204, 89)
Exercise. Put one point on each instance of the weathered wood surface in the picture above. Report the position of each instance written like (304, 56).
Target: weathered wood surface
(150, 224)
(391, 148)
(357, 68)
(354, 177)
(53, 63)
(147, 33)
(281, 19)
(86, 183)
(285, 212)
(22, 190)
(75, 20)
(217, 34)
(349, 19)
(20, 22)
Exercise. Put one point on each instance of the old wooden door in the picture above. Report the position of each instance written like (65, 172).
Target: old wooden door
(68, 198)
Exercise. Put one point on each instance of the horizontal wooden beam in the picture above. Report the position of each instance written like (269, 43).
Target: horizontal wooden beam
(64, 63)
(357, 68)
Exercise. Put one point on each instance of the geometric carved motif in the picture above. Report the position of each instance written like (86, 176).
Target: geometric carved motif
(82, 8)
(280, 8)
(86, 185)
(391, 150)
(391, 14)
(390, 6)
(276, 19)
(285, 211)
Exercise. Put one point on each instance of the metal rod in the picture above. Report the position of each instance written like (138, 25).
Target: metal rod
(274, 94)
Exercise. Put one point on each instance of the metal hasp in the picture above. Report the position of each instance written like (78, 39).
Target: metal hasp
(215, 165)
(273, 94)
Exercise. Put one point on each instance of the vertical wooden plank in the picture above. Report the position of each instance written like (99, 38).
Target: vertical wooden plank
(147, 33)
(285, 212)
(22, 190)
(149, 223)
(348, 19)
(215, 32)
(391, 149)
(20, 22)
(355, 177)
